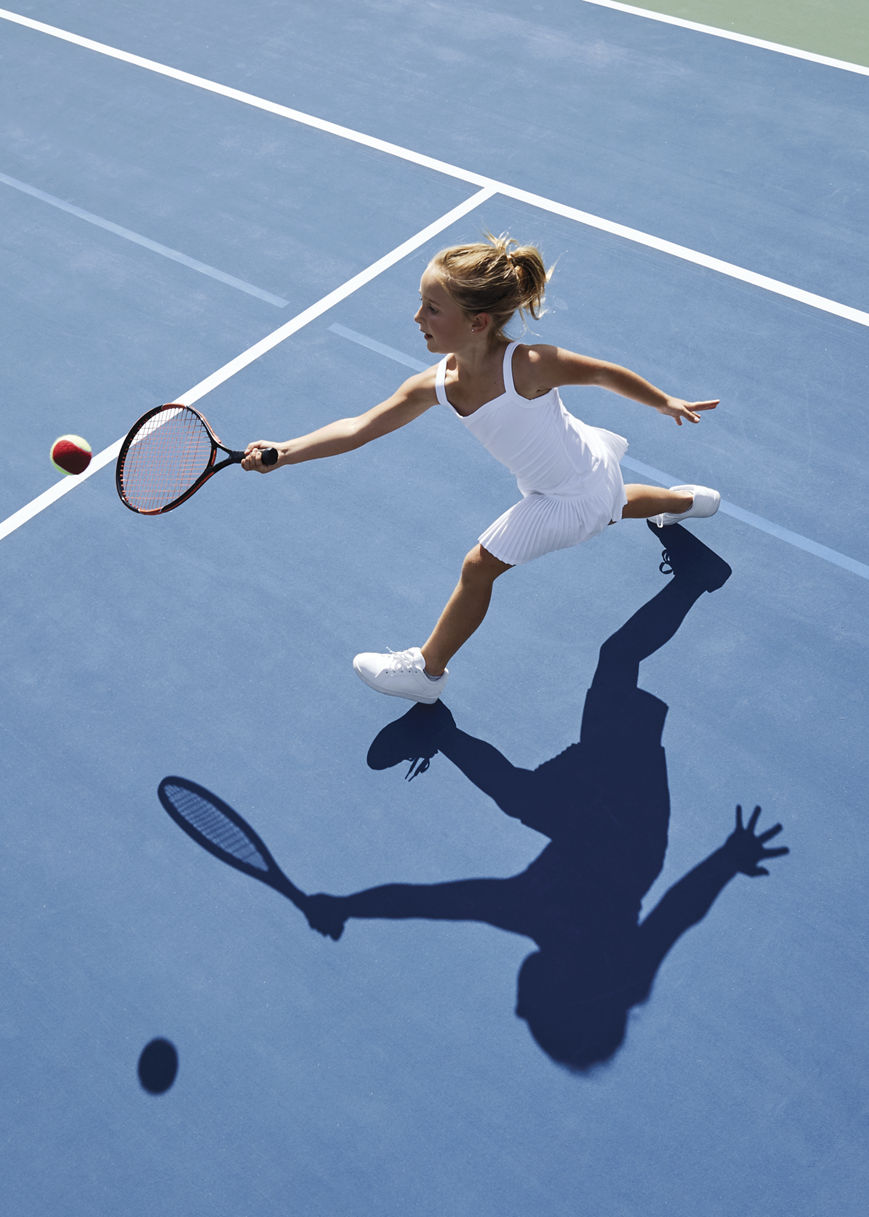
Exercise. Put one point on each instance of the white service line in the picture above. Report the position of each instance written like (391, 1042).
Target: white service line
(379, 348)
(760, 523)
(671, 248)
(100, 460)
(715, 31)
(335, 297)
(247, 99)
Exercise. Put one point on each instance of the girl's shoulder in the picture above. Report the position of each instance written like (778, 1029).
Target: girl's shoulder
(539, 367)
(534, 366)
(420, 386)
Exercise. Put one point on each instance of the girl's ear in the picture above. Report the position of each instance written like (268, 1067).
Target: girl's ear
(481, 323)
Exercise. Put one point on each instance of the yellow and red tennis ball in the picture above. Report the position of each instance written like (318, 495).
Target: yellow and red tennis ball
(71, 454)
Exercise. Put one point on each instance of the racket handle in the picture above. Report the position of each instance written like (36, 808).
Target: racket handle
(269, 456)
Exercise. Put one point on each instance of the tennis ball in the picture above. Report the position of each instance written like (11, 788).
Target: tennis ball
(71, 454)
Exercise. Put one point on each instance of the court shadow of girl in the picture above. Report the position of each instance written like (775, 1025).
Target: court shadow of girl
(604, 805)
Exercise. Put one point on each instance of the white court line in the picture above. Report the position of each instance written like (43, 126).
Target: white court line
(760, 523)
(100, 460)
(334, 297)
(379, 348)
(716, 31)
(136, 238)
(653, 475)
(489, 187)
(671, 248)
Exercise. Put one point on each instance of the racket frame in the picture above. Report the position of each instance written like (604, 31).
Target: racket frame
(213, 466)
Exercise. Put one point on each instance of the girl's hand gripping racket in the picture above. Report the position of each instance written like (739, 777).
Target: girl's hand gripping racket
(167, 455)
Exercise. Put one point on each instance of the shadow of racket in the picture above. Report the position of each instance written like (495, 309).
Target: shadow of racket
(219, 829)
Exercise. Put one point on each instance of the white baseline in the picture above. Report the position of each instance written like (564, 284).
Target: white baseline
(730, 269)
(716, 31)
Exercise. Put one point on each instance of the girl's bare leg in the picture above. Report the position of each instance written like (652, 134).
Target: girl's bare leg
(468, 604)
(647, 501)
(465, 609)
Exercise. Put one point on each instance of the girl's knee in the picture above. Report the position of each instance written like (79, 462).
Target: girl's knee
(481, 566)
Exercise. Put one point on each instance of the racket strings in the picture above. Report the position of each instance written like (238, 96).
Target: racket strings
(213, 826)
(164, 459)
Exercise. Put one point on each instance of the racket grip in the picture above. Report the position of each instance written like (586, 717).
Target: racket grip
(269, 456)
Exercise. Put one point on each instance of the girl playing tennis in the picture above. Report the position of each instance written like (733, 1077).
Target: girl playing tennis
(506, 394)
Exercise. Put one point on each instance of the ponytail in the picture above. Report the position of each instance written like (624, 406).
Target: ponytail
(497, 276)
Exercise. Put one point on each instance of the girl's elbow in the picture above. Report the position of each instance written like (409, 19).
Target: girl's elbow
(357, 432)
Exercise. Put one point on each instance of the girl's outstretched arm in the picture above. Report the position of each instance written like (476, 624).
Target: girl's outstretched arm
(410, 400)
(540, 368)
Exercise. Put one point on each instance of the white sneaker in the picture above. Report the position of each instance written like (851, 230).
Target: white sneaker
(706, 503)
(399, 674)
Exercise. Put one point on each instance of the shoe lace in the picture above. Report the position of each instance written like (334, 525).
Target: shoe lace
(401, 661)
(666, 565)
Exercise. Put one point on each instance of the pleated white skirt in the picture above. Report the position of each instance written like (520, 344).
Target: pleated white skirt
(540, 523)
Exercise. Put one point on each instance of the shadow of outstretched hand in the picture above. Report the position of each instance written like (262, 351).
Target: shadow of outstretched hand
(747, 850)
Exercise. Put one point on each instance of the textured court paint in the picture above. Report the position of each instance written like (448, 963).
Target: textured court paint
(391, 1065)
(672, 248)
(380, 348)
(806, 544)
(136, 238)
(838, 28)
(332, 298)
(246, 358)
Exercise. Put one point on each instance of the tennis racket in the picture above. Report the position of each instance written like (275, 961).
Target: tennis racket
(167, 455)
(219, 829)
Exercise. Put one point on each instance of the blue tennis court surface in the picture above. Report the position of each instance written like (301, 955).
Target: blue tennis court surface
(544, 867)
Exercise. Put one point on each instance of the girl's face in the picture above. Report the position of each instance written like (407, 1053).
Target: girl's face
(444, 325)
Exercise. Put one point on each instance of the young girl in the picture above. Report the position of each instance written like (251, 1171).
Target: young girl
(506, 394)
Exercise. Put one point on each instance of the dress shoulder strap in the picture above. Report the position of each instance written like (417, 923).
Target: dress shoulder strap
(440, 381)
(509, 387)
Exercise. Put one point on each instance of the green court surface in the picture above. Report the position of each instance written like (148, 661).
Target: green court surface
(839, 28)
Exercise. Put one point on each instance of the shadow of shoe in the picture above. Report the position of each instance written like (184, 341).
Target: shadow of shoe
(686, 557)
(413, 737)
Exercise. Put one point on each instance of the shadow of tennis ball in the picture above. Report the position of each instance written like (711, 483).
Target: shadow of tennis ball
(158, 1066)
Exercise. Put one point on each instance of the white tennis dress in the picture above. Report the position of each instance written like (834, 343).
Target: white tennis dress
(567, 471)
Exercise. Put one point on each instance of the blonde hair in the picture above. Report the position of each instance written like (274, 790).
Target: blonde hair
(497, 276)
